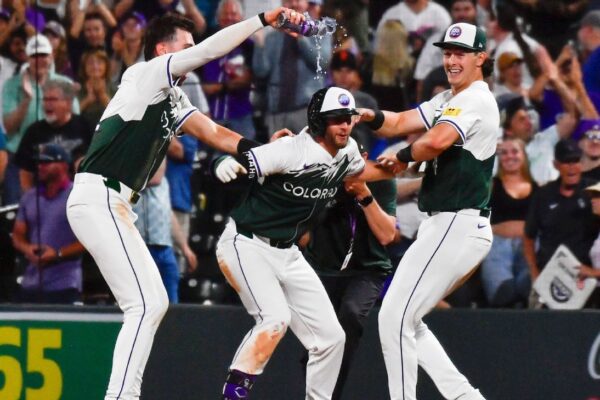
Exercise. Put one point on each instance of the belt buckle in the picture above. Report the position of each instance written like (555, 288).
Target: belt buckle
(134, 197)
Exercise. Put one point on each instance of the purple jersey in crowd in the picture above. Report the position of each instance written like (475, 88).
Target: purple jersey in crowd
(227, 104)
(56, 233)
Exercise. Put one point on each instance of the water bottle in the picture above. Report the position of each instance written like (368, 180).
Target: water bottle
(309, 27)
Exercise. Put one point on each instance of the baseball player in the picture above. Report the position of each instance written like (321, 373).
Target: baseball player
(291, 181)
(458, 145)
(128, 146)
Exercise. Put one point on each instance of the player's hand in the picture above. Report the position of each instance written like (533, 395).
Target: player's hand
(293, 16)
(229, 169)
(357, 188)
(365, 115)
(281, 133)
(391, 163)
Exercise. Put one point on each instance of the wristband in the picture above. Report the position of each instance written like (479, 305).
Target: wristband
(366, 201)
(405, 155)
(377, 121)
(262, 19)
(245, 145)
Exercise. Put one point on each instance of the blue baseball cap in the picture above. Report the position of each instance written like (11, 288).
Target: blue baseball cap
(53, 152)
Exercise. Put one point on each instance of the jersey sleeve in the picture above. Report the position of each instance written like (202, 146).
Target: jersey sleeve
(184, 108)
(357, 163)
(273, 158)
(427, 110)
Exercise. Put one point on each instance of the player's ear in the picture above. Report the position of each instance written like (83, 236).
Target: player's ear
(160, 49)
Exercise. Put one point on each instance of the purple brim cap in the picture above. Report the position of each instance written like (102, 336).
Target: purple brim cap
(584, 126)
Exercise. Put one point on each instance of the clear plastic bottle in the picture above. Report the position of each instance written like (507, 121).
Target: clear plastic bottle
(309, 27)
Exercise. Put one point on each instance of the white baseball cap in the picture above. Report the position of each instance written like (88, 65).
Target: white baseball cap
(338, 101)
(463, 35)
(38, 44)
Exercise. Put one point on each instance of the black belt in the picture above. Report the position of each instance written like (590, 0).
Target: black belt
(280, 244)
(482, 213)
(116, 186)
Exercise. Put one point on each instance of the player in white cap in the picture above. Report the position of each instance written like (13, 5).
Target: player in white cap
(459, 145)
(292, 180)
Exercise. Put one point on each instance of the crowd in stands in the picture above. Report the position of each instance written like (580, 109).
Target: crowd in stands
(61, 62)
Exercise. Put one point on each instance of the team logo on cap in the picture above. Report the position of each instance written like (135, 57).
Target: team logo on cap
(455, 32)
(344, 100)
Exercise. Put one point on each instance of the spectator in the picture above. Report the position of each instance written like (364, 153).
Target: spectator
(392, 67)
(589, 37)
(88, 33)
(344, 71)
(22, 103)
(156, 224)
(60, 126)
(593, 270)
(96, 86)
(504, 272)
(507, 36)
(347, 249)
(53, 272)
(421, 18)
(560, 213)
(131, 28)
(516, 122)
(226, 81)
(288, 65)
(180, 159)
(57, 37)
(152, 8)
(589, 133)
(11, 58)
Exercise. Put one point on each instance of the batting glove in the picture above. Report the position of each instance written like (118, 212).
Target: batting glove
(229, 169)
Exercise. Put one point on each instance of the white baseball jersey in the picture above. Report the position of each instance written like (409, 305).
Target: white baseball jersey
(136, 128)
(296, 180)
(460, 177)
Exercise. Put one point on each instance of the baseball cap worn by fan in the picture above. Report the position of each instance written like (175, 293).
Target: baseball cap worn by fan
(343, 59)
(38, 44)
(507, 59)
(466, 36)
(592, 18)
(588, 128)
(54, 28)
(567, 151)
(53, 152)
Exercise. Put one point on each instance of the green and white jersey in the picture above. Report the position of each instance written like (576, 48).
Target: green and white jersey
(136, 128)
(461, 176)
(295, 179)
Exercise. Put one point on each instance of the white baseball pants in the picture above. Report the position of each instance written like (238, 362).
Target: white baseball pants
(102, 220)
(448, 247)
(279, 289)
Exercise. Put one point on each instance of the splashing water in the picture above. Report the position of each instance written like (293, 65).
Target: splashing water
(326, 27)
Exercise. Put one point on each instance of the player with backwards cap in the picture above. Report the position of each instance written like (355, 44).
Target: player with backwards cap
(291, 181)
(458, 145)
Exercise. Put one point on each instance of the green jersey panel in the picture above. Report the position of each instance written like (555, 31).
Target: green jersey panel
(285, 205)
(131, 151)
(456, 180)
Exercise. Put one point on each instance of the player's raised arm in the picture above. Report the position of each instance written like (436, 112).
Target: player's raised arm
(213, 134)
(226, 40)
(391, 124)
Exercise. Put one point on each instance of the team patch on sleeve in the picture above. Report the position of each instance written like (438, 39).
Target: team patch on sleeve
(452, 111)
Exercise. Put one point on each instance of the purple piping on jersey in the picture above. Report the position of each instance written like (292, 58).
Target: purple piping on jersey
(411, 295)
(186, 116)
(139, 288)
(423, 117)
(169, 77)
(460, 132)
(253, 298)
(256, 163)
